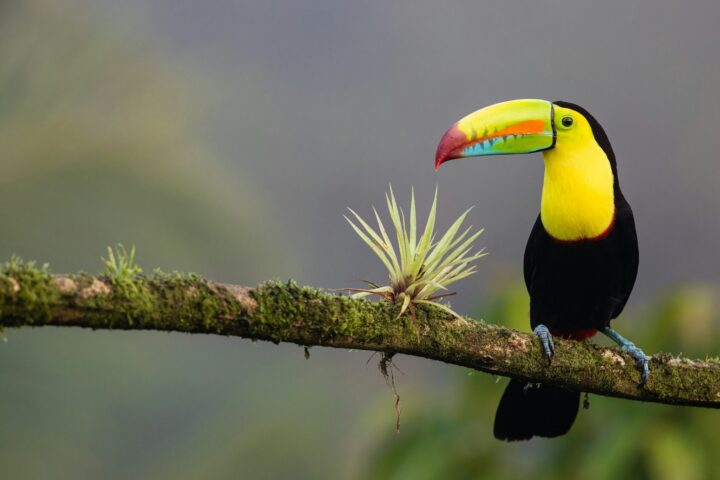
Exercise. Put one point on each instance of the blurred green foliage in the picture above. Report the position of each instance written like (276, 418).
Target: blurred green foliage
(613, 439)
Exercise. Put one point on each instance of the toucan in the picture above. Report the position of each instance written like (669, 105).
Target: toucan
(581, 259)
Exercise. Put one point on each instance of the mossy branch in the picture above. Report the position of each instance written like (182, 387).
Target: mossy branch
(285, 312)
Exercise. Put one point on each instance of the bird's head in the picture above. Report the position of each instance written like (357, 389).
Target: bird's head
(580, 185)
(522, 126)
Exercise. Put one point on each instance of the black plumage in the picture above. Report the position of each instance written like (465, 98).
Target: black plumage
(527, 409)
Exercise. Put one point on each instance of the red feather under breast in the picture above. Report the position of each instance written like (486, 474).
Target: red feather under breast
(574, 334)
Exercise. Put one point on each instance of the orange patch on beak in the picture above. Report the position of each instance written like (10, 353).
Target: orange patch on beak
(523, 128)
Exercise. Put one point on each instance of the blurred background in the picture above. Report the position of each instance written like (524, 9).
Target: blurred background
(227, 138)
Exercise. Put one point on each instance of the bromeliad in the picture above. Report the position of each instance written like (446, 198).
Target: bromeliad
(419, 268)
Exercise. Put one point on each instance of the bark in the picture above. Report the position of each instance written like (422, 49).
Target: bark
(285, 312)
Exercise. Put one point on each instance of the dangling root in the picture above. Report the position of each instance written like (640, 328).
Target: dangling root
(386, 368)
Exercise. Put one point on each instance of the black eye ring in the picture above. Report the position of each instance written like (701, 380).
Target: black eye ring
(567, 121)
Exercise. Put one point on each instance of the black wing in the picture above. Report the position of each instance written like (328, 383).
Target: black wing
(627, 251)
(532, 249)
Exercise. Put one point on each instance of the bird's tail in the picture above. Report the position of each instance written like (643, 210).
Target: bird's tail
(526, 410)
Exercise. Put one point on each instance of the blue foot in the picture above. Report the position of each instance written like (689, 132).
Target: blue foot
(542, 332)
(643, 361)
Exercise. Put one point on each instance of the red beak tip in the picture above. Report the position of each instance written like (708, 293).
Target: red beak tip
(449, 143)
(440, 159)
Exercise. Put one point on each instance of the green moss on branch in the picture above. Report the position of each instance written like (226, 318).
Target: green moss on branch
(286, 312)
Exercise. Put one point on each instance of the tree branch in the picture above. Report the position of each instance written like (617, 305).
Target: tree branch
(289, 313)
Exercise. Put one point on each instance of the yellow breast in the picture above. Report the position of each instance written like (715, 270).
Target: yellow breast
(577, 198)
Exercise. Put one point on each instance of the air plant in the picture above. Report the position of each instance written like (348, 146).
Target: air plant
(419, 269)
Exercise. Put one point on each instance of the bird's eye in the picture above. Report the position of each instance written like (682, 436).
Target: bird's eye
(567, 121)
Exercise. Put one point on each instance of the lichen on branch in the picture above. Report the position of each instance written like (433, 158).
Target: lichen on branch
(286, 312)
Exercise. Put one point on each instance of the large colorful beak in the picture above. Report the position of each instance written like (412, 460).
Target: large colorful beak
(517, 126)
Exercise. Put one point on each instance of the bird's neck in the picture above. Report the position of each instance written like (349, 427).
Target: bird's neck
(578, 199)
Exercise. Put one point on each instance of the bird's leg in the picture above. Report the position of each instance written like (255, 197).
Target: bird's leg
(630, 348)
(542, 332)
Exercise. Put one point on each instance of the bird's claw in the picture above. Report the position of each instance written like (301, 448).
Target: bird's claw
(643, 361)
(542, 332)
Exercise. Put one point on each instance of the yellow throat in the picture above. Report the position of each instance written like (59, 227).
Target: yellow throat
(577, 197)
